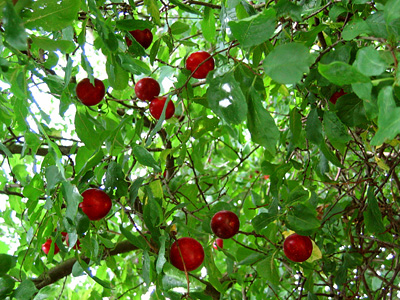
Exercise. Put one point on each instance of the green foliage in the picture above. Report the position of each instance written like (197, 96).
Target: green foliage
(258, 136)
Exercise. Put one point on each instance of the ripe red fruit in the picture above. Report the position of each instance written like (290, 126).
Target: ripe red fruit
(297, 248)
(46, 247)
(96, 204)
(90, 94)
(197, 58)
(191, 254)
(337, 95)
(157, 105)
(225, 224)
(147, 89)
(143, 37)
(218, 244)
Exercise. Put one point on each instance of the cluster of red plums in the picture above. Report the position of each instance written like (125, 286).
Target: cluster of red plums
(96, 204)
(186, 253)
(147, 89)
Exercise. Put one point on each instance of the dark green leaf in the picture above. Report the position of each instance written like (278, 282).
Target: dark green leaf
(302, 219)
(14, 31)
(25, 290)
(288, 63)
(145, 158)
(295, 125)
(314, 127)
(7, 263)
(146, 267)
(131, 24)
(392, 11)
(73, 198)
(335, 131)
(369, 62)
(254, 30)
(86, 130)
(355, 28)
(373, 215)
(226, 99)
(267, 268)
(6, 286)
(288, 8)
(137, 241)
(179, 28)
(350, 110)
(388, 121)
(52, 15)
(115, 179)
(262, 220)
(341, 73)
(260, 123)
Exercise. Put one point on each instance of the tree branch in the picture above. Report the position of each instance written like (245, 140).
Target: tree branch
(65, 268)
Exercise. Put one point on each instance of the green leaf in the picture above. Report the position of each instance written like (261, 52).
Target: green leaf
(226, 99)
(7, 263)
(152, 9)
(35, 188)
(262, 220)
(137, 241)
(314, 127)
(388, 121)
(341, 73)
(392, 11)
(329, 155)
(351, 111)
(73, 198)
(115, 178)
(302, 219)
(152, 215)
(355, 28)
(52, 45)
(208, 25)
(373, 215)
(161, 260)
(146, 267)
(85, 129)
(145, 158)
(52, 15)
(254, 30)
(369, 62)
(107, 34)
(6, 286)
(86, 269)
(5, 150)
(185, 7)
(288, 8)
(288, 63)
(268, 269)
(179, 28)
(131, 24)
(133, 65)
(295, 125)
(53, 177)
(14, 31)
(260, 123)
(335, 131)
(25, 290)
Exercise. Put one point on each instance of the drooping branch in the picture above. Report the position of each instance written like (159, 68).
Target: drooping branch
(65, 268)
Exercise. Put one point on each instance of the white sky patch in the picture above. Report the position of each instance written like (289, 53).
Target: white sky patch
(225, 103)
(226, 88)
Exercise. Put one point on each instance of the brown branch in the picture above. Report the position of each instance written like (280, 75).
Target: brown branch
(65, 268)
